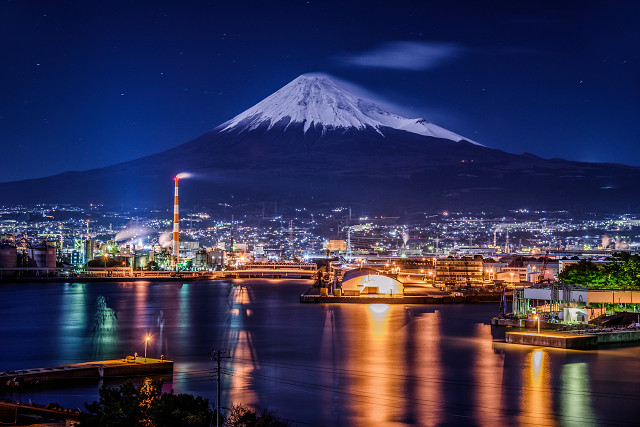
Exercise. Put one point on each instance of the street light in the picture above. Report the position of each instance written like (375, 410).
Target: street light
(536, 317)
(146, 341)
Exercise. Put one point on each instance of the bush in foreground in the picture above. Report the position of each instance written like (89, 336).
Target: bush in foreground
(146, 405)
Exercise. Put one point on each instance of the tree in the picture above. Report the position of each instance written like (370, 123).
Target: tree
(123, 406)
(172, 410)
(623, 272)
(583, 273)
(241, 416)
(145, 405)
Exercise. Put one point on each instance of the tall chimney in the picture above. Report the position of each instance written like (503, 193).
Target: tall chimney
(176, 238)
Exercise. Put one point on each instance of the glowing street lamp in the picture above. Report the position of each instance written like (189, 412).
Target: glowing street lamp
(536, 317)
(146, 341)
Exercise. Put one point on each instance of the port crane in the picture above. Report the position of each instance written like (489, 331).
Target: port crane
(545, 261)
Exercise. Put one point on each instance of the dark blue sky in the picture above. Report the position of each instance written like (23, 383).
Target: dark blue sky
(93, 83)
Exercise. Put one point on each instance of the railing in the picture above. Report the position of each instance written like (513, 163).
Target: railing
(279, 266)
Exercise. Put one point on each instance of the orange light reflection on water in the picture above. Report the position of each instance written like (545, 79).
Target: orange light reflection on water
(393, 361)
(427, 368)
(488, 369)
(240, 348)
(375, 354)
(537, 399)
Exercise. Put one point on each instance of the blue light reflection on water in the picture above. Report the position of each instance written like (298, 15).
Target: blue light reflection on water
(321, 364)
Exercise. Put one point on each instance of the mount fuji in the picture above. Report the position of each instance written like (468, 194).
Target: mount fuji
(313, 142)
(316, 102)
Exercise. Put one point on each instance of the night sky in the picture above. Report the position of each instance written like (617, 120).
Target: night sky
(92, 83)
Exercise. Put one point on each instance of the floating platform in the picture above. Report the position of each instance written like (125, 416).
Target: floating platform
(575, 341)
(128, 367)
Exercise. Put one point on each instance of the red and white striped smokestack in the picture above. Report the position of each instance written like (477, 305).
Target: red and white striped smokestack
(176, 226)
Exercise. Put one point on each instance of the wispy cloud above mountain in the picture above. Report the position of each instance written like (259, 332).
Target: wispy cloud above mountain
(405, 55)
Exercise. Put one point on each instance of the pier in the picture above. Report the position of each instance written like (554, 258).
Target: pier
(475, 298)
(573, 340)
(128, 367)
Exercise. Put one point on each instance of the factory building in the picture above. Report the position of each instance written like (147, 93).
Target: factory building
(209, 259)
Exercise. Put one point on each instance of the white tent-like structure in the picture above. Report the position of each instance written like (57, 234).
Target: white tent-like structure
(367, 281)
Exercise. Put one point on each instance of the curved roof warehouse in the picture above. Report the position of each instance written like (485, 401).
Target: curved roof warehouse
(368, 281)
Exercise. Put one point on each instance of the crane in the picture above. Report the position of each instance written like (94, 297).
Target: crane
(545, 261)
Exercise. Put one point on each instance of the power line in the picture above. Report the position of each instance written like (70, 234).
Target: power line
(421, 378)
(364, 397)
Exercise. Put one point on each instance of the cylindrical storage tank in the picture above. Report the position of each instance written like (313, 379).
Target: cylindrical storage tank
(8, 256)
(51, 257)
(38, 256)
(43, 256)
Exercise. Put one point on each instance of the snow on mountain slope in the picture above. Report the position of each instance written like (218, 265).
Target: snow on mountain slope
(315, 100)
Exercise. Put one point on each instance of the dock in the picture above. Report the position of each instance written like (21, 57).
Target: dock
(574, 341)
(402, 299)
(128, 367)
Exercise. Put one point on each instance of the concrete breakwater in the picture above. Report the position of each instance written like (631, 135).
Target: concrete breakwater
(574, 341)
(128, 367)
(476, 298)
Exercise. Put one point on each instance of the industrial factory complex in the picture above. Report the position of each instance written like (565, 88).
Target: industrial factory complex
(346, 255)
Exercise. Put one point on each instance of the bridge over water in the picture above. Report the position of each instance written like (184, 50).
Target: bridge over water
(274, 270)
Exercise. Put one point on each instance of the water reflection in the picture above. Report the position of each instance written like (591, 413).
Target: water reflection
(575, 396)
(140, 313)
(537, 399)
(73, 321)
(488, 369)
(330, 364)
(160, 340)
(376, 355)
(374, 363)
(184, 318)
(348, 364)
(427, 368)
(239, 343)
(104, 330)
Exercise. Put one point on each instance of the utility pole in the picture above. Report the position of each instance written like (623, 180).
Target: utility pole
(217, 356)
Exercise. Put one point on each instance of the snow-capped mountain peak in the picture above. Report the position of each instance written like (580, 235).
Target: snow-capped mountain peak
(315, 100)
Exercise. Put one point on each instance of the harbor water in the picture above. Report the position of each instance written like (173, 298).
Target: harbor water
(316, 364)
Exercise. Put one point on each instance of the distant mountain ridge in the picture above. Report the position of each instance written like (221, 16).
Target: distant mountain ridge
(314, 143)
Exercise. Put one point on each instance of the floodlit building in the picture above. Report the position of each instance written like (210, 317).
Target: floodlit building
(512, 274)
(337, 245)
(569, 305)
(465, 270)
(367, 281)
